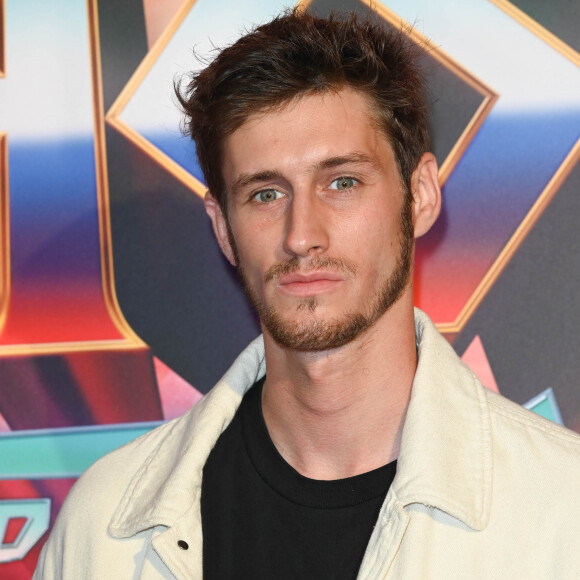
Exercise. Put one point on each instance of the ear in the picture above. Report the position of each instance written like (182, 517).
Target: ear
(426, 194)
(220, 226)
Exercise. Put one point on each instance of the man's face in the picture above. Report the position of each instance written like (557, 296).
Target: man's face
(320, 227)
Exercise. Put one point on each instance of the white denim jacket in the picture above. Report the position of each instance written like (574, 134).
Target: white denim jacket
(484, 488)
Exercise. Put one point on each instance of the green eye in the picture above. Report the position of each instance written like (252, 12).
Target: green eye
(343, 183)
(268, 195)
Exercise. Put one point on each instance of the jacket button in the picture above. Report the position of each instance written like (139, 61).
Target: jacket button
(183, 544)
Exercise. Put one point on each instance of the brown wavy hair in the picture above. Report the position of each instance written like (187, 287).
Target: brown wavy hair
(298, 54)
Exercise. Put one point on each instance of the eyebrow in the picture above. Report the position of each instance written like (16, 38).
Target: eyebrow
(345, 159)
(246, 179)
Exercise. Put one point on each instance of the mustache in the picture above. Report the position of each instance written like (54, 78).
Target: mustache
(297, 264)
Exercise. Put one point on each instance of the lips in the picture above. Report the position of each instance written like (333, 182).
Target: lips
(309, 283)
(308, 277)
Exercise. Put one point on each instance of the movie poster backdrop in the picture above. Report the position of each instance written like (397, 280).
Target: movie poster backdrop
(117, 310)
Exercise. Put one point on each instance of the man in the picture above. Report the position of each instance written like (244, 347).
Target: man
(348, 441)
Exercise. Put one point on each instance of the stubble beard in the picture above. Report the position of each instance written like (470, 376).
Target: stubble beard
(315, 334)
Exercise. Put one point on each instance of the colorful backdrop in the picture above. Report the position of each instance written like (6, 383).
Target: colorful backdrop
(118, 312)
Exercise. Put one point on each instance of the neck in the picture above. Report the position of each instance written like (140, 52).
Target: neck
(339, 413)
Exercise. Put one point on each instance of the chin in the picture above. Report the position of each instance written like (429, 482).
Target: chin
(315, 334)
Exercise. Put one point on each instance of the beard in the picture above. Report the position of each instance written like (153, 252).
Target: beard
(314, 334)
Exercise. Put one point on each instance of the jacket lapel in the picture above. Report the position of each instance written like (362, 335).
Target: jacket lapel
(167, 488)
(445, 460)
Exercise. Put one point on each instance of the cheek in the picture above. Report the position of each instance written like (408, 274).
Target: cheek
(259, 240)
(254, 251)
(376, 234)
(379, 247)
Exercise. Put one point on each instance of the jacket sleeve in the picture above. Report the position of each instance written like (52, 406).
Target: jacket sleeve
(78, 544)
(49, 562)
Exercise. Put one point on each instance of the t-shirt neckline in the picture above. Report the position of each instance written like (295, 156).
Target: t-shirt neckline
(292, 485)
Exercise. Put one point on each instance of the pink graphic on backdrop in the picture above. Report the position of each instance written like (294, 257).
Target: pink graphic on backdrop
(476, 359)
(3, 425)
(176, 394)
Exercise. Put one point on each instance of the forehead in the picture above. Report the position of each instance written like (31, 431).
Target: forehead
(305, 131)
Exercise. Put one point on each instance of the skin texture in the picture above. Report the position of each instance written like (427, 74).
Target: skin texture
(309, 279)
(322, 234)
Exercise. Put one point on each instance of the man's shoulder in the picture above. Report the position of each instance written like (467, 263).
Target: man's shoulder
(101, 486)
(538, 443)
(79, 537)
(526, 421)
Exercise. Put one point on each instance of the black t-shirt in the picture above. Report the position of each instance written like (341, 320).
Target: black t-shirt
(262, 519)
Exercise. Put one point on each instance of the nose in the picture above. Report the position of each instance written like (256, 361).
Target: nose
(307, 225)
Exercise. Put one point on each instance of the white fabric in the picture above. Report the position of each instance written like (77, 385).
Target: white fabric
(484, 488)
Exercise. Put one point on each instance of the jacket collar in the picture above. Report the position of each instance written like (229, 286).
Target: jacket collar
(167, 486)
(445, 458)
(444, 462)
